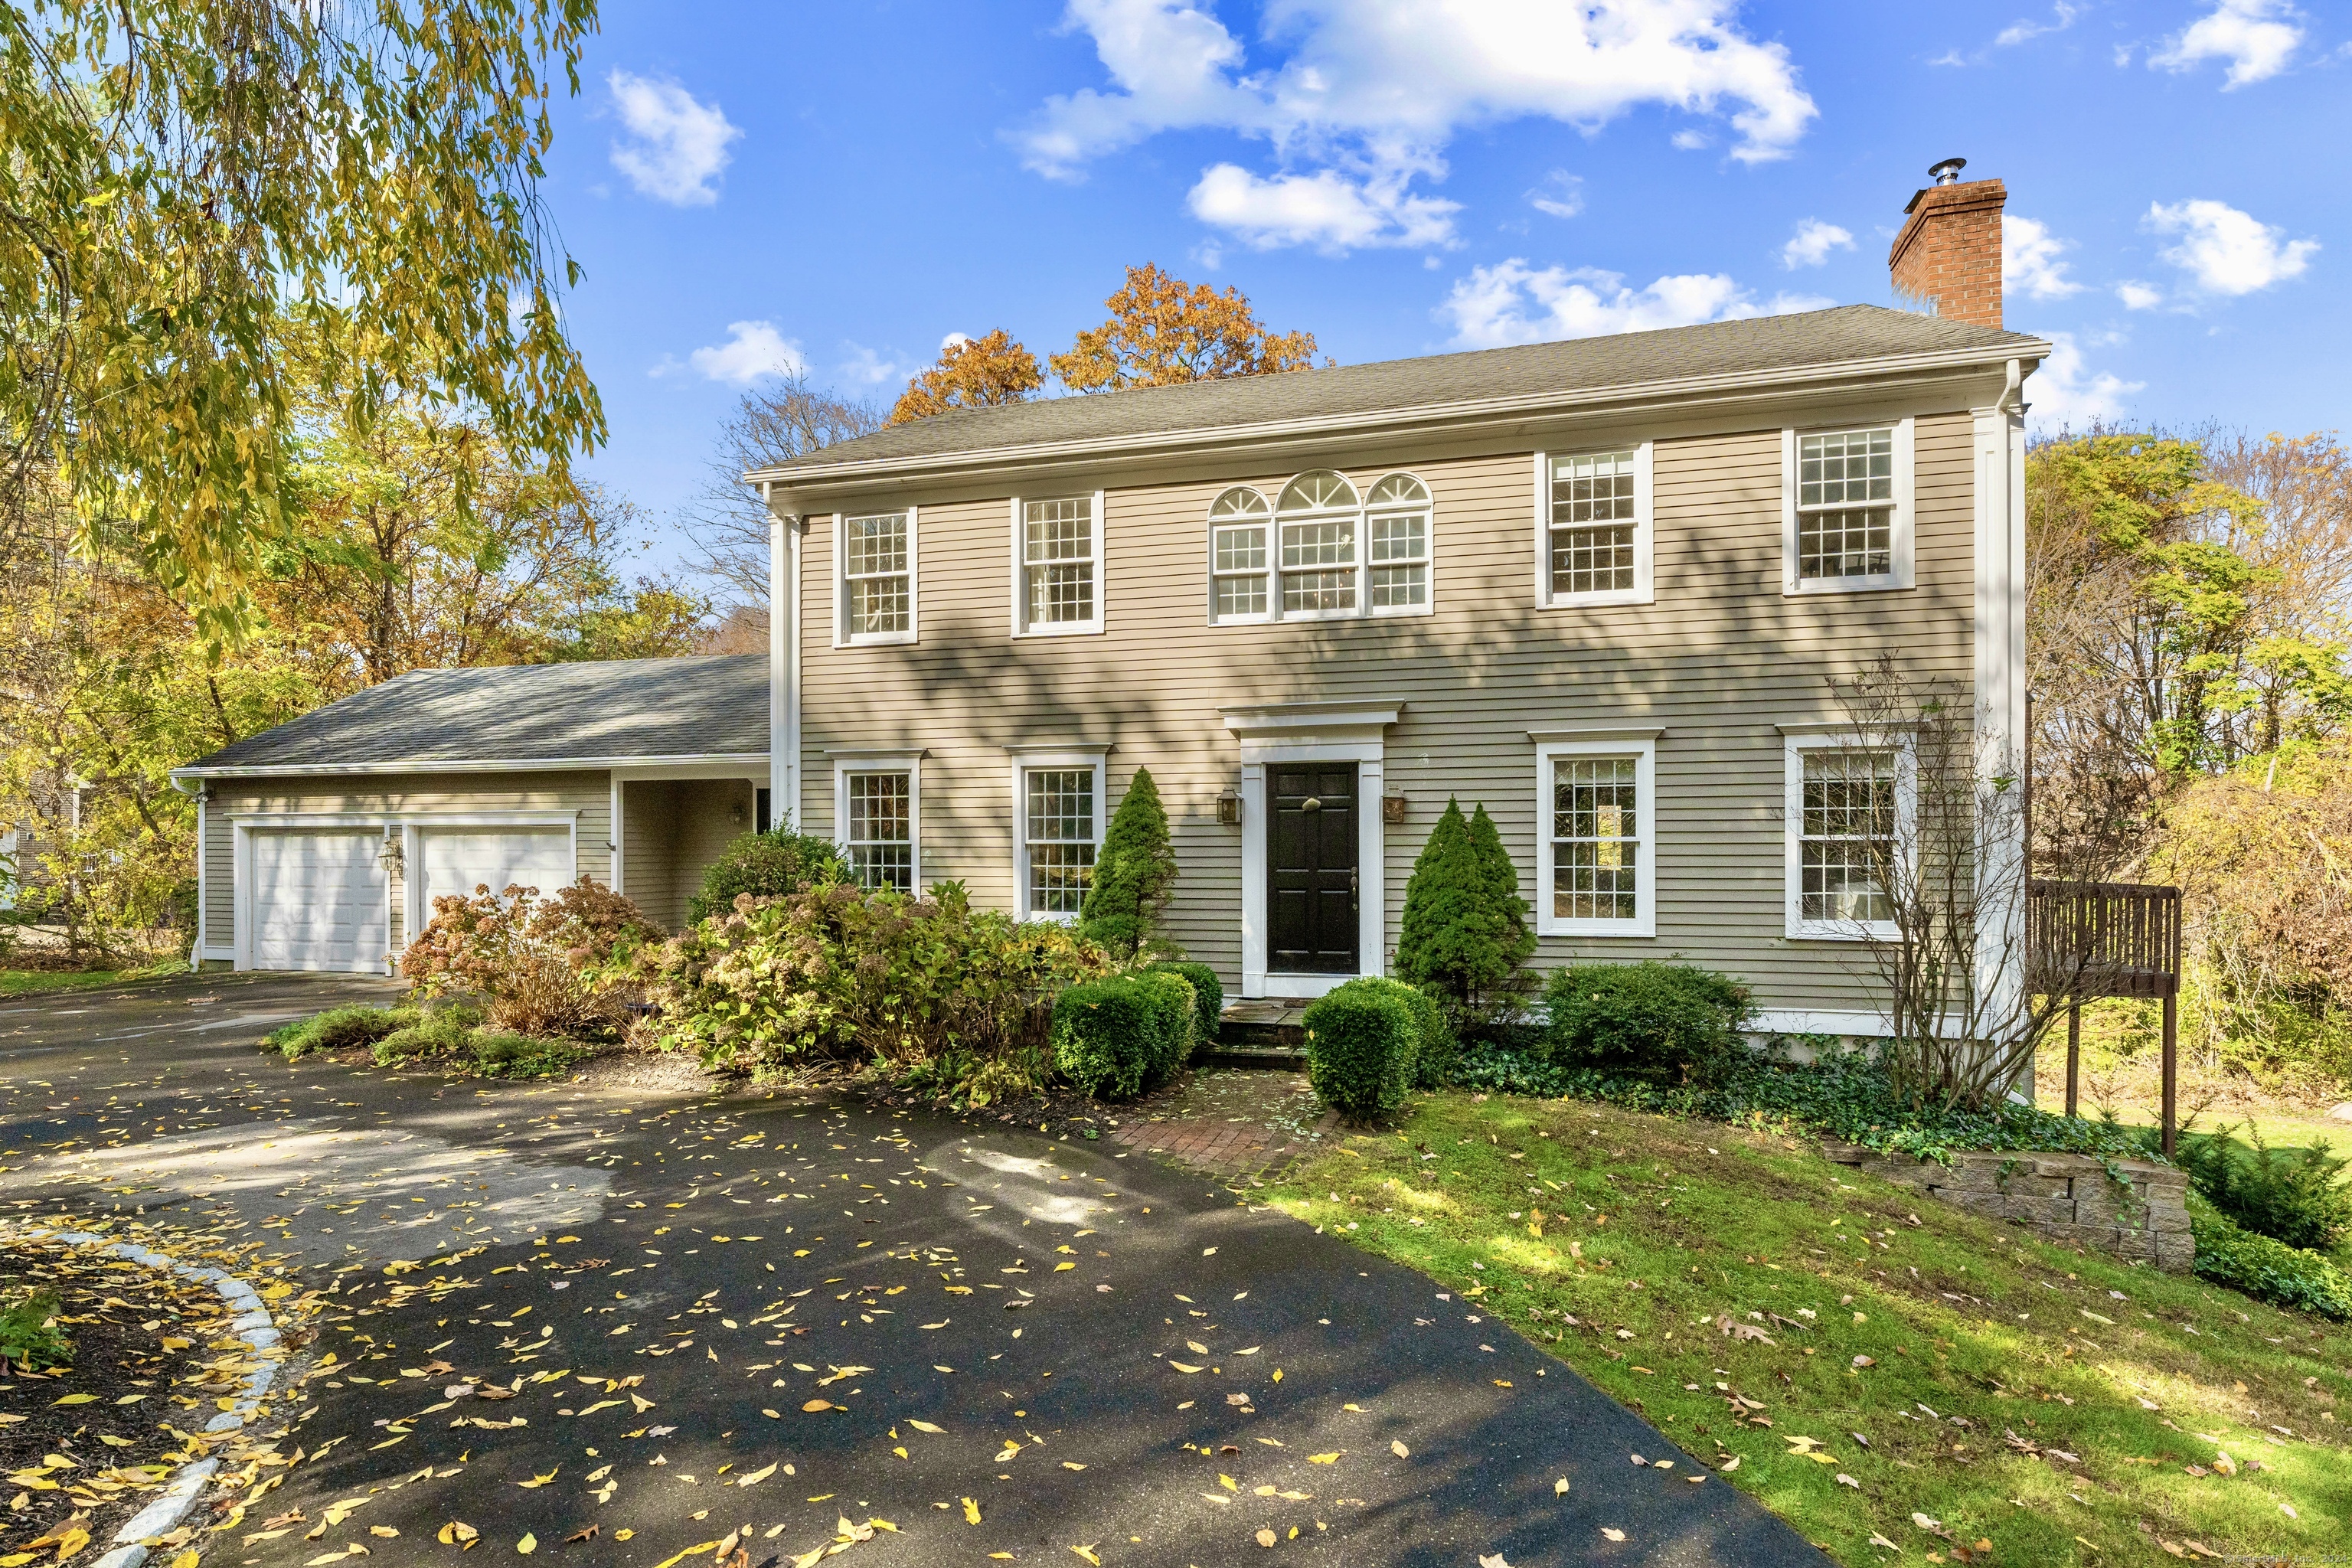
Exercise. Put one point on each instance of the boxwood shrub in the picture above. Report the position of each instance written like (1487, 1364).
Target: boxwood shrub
(1208, 996)
(1669, 1023)
(1361, 1041)
(2289, 1276)
(767, 866)
(1114, 1036)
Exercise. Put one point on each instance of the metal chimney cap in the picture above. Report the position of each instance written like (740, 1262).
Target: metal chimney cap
(1948, 173)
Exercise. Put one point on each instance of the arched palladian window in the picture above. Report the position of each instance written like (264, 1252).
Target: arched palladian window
(1396, 516)
(1238, 520)
(1318, 512)
(1321, 550)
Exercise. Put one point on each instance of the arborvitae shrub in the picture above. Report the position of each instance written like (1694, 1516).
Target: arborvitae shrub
(1464, 934)
(1134, 875)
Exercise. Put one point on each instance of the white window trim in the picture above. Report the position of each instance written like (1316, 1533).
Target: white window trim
(1362, 513)
(1797, 740)
(841, 637)
(1641, 745)
(890, 762)
(1900, 530)
(1022, 625)
(1028, 759)
(1643, 591)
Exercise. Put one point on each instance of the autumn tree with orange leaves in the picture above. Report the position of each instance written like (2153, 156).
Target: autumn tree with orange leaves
(973, 373)
(1163, 331)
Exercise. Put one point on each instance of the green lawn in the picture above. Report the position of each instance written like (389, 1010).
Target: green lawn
(1758, 1302)
(28, 982)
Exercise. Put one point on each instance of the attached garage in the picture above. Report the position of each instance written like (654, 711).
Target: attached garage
(323, 843)
(456, 859)
(317, 898)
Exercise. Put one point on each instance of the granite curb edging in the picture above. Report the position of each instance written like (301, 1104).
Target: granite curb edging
(253, 1324)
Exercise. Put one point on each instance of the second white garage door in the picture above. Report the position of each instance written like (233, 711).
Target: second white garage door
(316, 901)
(460, 859)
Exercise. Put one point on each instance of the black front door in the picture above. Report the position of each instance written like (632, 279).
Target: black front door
(1311, 869)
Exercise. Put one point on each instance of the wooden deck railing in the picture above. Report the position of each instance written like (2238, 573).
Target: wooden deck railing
(2088, 940)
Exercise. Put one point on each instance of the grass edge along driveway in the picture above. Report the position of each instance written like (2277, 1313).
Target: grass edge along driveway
(1764, 1307)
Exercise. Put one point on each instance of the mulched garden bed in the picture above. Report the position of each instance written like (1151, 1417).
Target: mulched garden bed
(86, 1446)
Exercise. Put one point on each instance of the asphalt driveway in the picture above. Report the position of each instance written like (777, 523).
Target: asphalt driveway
(776, 1323)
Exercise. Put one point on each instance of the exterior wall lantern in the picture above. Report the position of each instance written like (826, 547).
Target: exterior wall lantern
(1392, 808)
(1229, 809)
(392, 857)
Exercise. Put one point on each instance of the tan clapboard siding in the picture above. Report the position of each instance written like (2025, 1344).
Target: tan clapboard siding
(649, 847)
(1719, 660)
(585, 792)
(216, 865)
(712, 814)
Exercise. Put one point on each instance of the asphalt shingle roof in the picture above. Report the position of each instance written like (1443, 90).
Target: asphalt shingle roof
(1809, 339)
(708, 706)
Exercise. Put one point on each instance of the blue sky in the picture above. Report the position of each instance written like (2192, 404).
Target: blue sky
(840, 186)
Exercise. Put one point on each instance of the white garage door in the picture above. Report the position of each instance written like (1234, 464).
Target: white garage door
(316, 901)
(460, 859)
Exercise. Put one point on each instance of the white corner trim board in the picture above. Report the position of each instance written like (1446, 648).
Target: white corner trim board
(253, 1325)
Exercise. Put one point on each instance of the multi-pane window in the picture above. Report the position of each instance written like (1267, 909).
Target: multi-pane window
(1596, 846)
(1057, 563)
(1591, 545)
(1846, 504)
(1397, 524)
(1238, 522)
(876, 575)
(1058, 830)
(880, 830)
(1844, 834)
(1321, 550)
(1318, 516)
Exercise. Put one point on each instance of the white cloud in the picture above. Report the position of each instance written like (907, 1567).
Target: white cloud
(676, 146)
(954, 341)
(867, 368)
(2062, 16)
(2065, 394)
(2138, 296)
(2226, 251)
(2028, 259)
(1561, 195)
(1326, 209)
(1512, 303)
(1812, 243)
(2256, 36)
(752, 350)
(1692, 140)
(1369, 93)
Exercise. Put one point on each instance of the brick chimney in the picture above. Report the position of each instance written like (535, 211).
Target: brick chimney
(1947, 257)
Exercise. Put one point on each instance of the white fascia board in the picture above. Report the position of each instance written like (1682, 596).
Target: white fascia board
(1638, 397)
(755, 761)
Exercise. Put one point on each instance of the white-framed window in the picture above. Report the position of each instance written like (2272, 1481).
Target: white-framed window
(1596, 812)
(1057, 588)
(1321, 551)
(1241, 525)
(1396, 526)
(876, 555)
(876, 807)
(1848, 811)
(1846, 507)
(1058, 809)
(1593, 534)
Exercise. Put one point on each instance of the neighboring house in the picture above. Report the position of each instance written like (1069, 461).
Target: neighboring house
(324, 841)
(1598, 586)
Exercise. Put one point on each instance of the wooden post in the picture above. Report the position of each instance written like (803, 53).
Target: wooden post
(2171, 1064)
(2074, 1054)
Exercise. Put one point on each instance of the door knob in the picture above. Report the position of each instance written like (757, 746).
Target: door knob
(1311, 802)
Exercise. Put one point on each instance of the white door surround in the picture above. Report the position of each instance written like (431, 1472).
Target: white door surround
(1311, 732)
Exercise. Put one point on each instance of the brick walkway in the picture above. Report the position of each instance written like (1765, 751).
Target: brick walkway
(1241, 1125)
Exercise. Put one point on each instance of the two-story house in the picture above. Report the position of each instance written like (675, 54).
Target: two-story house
(1598, 586)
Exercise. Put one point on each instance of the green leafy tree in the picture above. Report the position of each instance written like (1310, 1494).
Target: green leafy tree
(181, 176)
(1135, 874)
(1464, 935)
